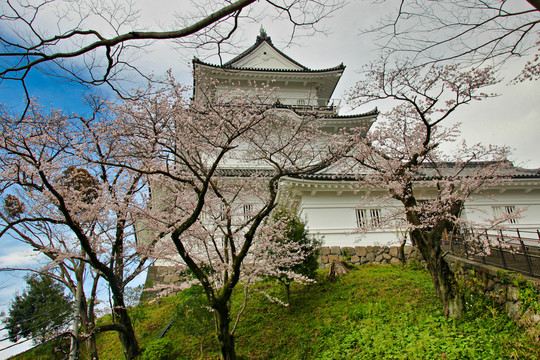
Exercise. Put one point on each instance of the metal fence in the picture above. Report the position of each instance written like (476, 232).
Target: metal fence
(517, 250)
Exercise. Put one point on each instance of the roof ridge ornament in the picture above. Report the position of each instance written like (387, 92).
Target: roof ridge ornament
(263, 36)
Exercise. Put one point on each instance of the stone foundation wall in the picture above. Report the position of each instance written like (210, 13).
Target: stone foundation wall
(519, 294)
(359, 255)
(160, 275)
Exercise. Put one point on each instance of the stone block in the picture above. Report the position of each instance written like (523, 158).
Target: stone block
(513, 309)
(355, 259)
(386, 256)
(377, 250)
(395, 261)
(378, 258)
(335, 250)
(499, 292)
(512, 293)
(408, 250)
(325, 250)
(394, 251)
(323, 259)
(535, 319)
(360, 251)
(347, 249)
(370, 257)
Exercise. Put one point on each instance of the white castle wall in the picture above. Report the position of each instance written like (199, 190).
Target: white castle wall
(332, 216)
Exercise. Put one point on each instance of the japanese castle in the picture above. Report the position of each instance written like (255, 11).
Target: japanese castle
(333, 206)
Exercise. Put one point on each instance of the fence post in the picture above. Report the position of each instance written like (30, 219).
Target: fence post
(524, 248)
(483, 252)
(501, 250)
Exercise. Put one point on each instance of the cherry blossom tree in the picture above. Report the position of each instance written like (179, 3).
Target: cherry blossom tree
(214, 168)
(70, 205)
(401, 154)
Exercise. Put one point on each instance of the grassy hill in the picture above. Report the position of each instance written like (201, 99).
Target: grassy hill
(375, 312)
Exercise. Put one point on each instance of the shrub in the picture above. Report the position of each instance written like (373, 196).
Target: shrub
(296, 233)
(159, 349)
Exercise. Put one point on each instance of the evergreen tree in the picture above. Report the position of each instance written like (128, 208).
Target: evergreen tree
(40, 312)
(296, 239)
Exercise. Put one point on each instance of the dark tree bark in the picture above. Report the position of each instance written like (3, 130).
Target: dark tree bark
(428, 241)
(225, 338)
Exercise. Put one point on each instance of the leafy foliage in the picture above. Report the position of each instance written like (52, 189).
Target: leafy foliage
(296, 239)
(159, 349)
(40, 312)
(374, 312)
(193, 315)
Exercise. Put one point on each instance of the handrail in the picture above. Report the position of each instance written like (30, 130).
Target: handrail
(511, 252)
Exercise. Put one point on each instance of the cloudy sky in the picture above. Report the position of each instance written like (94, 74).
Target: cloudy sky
(512, 118)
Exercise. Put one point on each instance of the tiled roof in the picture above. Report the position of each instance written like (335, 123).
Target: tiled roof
(372, 112)
(427, 173)
(306, 70)
(263, 37)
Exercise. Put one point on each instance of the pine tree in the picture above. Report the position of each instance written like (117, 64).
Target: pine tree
(40, 312)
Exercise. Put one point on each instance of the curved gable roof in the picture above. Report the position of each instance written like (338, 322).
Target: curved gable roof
(263, 41)
(264, 56)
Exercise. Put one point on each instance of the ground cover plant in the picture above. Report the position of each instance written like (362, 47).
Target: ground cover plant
(374, 312)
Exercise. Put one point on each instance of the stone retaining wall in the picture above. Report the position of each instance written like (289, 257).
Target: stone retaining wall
(519, 294)
(160, 275)
(359, 255)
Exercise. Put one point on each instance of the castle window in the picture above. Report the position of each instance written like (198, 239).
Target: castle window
(248, 211)
(370, 217)
(506, 210)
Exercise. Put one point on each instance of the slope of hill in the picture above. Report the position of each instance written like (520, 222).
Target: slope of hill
(375, 312)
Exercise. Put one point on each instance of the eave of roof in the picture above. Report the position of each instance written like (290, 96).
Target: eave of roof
(349, 177)
(296, 71)
(519, 174)
(352, 116)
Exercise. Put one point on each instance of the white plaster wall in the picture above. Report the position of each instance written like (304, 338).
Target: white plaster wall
(288, 94)
(480, 207)
(333, 217)
(265, 57)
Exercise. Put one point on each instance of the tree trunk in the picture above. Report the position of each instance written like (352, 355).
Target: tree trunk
(92, 347)
(443, 278)
(127, 338)
(288, 291)
(402, 252)
(87, 320)
(74, 349)
(225, 338)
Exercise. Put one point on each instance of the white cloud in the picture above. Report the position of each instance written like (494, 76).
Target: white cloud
(19, 256)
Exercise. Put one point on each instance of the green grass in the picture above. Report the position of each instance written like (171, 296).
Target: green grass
(375, 312)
